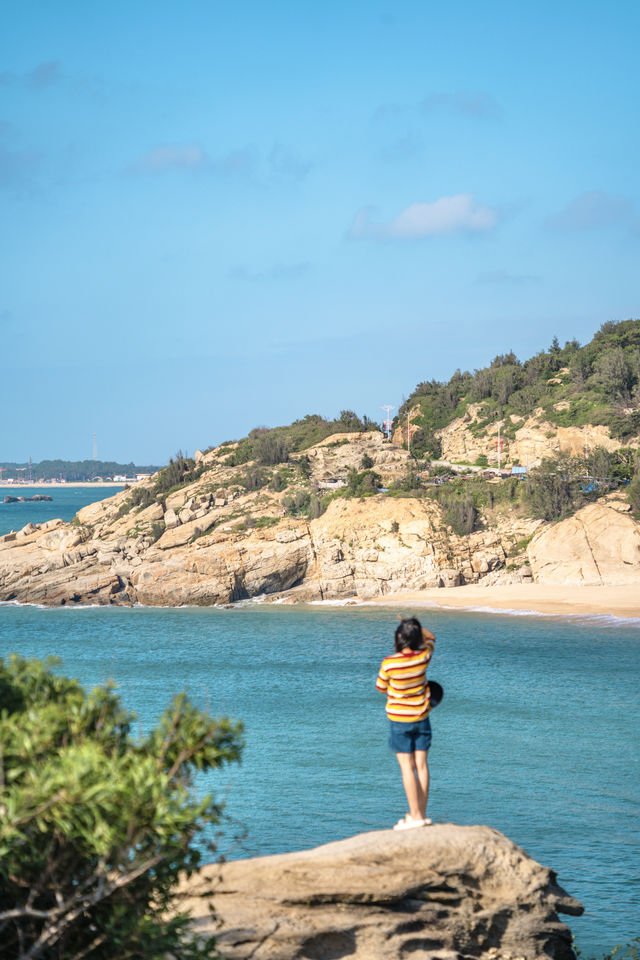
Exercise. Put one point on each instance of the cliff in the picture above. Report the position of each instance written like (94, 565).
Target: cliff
(213, 539)
(436, 893)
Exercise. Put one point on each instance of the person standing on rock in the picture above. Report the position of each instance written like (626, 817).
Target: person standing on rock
(403, 677)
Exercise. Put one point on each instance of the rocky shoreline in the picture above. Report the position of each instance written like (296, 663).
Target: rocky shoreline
(214, 541)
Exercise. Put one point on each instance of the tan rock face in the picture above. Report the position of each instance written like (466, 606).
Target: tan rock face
(535, 439)
(437, 892)
(221, 543)
(598, 545)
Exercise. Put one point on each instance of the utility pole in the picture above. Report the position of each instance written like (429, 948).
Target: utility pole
(388, 421)
(95, 447)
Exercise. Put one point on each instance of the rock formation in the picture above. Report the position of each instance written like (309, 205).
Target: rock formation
(213, 539)
(444, 892)
(598, 545)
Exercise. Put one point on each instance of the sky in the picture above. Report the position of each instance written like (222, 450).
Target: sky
(220, 215)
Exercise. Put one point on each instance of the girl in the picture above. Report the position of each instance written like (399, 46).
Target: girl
(403, 677)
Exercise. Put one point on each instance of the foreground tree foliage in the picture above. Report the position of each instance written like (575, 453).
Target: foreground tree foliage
(96, 827)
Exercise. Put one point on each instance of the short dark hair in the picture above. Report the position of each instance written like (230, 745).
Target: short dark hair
(409, 634)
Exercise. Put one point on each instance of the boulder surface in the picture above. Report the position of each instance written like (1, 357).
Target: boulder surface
(444, 892)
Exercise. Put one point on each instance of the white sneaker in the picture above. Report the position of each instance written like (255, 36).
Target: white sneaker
(408, 823)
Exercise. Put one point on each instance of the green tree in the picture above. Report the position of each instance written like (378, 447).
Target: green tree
(351, 420)
(362, 484)
(633, 492)
(613, 373)
(96, 827)
(550, 493)
(272, 448)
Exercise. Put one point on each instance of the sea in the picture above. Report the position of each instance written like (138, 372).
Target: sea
(537, 735)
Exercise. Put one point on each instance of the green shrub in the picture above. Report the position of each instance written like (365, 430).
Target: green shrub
(255, 478)
(410, 483)
(142, 497)
(362, 484)
(460, 513)
(279, 481)
(481, 460)
(297, 503)
(96, 827)
(157, 529)
(550, 494)
(633, 493)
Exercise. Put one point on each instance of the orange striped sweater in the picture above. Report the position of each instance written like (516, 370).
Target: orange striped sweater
(403, 677)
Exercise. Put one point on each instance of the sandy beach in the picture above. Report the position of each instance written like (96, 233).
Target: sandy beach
(620, 601)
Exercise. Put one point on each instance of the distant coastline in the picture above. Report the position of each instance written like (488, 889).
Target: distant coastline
(48, 484)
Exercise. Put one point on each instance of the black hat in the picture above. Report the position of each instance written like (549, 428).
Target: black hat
(436, 692)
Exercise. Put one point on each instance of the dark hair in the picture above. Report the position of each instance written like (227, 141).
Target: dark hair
(409, 634)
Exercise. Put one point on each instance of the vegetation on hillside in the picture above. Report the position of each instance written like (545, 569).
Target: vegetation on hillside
(96, 827)
(598, 383)
(270, 446)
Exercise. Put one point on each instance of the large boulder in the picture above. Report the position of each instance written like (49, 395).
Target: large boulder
(598, 545)
(435, 893)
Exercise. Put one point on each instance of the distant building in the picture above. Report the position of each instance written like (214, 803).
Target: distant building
(332, 483)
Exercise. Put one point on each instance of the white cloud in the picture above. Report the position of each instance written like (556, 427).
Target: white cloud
(171, 157)
(447, 215)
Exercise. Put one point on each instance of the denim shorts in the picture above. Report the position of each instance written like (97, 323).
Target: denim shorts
(409, 737)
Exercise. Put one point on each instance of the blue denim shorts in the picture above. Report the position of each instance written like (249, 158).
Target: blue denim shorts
(409, 737)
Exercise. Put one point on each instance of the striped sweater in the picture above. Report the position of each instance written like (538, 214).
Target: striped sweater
(403, 677)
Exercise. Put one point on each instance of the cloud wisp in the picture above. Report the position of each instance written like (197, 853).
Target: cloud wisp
(279, 271)
(43, 75)
(594, 210)
(172, 157)
(460, 214)
(461, 103)
(466, 104)
(280, 165)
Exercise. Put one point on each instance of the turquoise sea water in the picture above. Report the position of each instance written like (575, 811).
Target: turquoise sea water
(65, 504)
(537, 735)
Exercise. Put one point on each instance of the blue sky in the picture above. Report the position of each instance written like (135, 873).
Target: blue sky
(219, 215)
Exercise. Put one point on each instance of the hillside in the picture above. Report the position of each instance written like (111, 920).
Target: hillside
(595, 385)
(331, 509)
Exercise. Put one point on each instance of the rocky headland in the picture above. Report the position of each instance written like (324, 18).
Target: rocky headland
(212, 539)
(444, 892)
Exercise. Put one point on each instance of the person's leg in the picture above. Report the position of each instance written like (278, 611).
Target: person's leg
(410, 784)
(422, 778)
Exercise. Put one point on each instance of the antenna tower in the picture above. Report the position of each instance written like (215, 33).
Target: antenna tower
(388, 421)
(95, 447)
